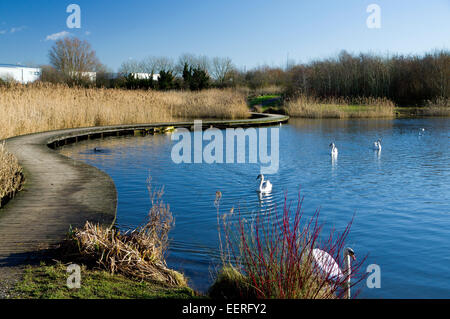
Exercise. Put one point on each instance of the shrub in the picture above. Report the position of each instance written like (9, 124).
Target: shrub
(271, 257)
(231, 284)
(196, 78)
(165, 80)
(139, 253)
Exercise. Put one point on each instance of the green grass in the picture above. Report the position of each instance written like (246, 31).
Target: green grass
(266, 100)
(347, 108)
(49, 282)
(422, 111)
(231, 284)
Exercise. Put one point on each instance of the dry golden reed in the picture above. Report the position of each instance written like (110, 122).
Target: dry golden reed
(437, 107)
(310, 107)
(138, 254)
(42, 107)
(11, 177)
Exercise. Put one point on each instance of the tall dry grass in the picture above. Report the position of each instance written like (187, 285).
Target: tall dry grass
(42, 107)
(11, 177)
(311, 107)
(436, 107)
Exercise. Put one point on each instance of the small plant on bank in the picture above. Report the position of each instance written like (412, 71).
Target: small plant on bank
(138, 254)
(270, 256)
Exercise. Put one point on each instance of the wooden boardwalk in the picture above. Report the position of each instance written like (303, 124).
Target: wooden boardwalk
(59, 192)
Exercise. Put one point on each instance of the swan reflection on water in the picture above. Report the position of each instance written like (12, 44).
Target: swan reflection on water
(266, 200)
(334, 160)
(377, 154)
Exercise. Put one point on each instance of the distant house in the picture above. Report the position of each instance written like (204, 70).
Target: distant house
(146, 76)
(92, 76)
(19, 73)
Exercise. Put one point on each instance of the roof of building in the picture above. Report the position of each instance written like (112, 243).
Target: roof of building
(16, 66)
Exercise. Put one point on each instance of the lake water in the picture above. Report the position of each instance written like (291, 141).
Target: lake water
(401, 196)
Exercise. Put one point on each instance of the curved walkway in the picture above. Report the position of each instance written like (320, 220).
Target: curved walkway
(61, 192)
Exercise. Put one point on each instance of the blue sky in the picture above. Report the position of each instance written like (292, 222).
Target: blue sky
(252, 32)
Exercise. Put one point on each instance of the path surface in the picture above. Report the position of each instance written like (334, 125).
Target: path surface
(60, 192)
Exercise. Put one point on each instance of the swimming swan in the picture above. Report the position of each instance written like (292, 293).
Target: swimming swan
(377, 145)
(264, 186)
(334, 150)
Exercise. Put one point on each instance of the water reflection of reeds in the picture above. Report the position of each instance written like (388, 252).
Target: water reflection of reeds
(112, 149)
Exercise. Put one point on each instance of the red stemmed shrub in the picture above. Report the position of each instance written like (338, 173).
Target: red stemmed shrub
(270, 256)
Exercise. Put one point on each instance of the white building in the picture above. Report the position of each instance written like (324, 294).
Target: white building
(18, 73)
(146, 76)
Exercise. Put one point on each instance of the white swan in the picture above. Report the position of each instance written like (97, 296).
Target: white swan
(330, 268)
(377, 145)
(264, 186)
(334, 150)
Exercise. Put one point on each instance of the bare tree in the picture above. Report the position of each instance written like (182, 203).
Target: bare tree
(201, 62)
(220, 68)
(204, 63)
(74, 57)
(185, 58)
(50, 74)
(130, 66)
(155, 64)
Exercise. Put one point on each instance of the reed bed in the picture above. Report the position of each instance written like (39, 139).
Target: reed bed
(39, 107)
(138, 254)
(437, 107)
(270, 256)
(311, 107)
(11, 176)
(42, 107)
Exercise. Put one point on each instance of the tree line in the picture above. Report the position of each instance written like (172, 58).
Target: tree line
(404, 79)
(73, 61)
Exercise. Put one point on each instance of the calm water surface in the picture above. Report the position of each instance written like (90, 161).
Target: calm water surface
(401, 196)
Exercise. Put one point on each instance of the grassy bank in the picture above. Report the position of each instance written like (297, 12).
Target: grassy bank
(43, 107)
(311, 107)
(50, 282)
(114, 264)
(11, 177)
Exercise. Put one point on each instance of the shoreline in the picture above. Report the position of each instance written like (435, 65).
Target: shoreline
(60, 192)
